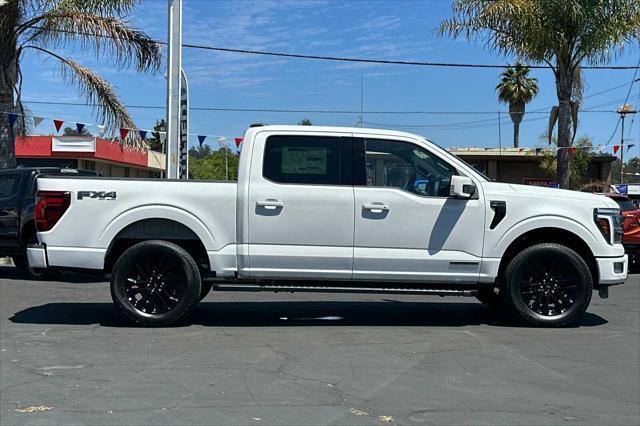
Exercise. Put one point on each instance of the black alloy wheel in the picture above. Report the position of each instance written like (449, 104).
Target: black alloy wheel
(547, 285)
(155, 283)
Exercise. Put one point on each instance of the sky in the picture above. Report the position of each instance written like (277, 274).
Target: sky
(401, 30)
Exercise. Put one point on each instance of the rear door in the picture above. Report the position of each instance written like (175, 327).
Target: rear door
(301, 207)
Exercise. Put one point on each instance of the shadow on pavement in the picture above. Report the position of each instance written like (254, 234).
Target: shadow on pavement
(292, 314)
(13, 273)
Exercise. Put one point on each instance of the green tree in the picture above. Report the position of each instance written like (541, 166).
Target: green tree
(560, 33)
(578, 167)
(41, 27)
(212, 166)
(517, 89)
(631, 167)
(155, 141)
(305, 122)
(70, 131)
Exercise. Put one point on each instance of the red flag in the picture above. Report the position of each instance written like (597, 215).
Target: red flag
(58, 124)
(616, 148)
(238, 141)
(571, 150)
(520, 149)
(123, 133)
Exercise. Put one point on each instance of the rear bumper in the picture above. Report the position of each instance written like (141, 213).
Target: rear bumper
(37, 255)
(613, 270)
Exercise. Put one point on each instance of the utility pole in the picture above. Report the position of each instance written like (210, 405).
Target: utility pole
(174, 67)
(223, 145)
(623, 111)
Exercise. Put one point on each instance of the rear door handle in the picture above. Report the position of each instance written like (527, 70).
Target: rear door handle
(269, 204)
(376, 207)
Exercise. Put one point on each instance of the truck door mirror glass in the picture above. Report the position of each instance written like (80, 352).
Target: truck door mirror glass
(462, 187)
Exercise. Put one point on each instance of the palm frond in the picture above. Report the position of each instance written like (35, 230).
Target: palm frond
(105, 35)
(110, 111)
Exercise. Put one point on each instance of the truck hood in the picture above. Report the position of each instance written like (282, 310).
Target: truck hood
(531, 191)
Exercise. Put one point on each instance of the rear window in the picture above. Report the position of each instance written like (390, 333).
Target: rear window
(307, 160)
(9, 185)
(625, 204)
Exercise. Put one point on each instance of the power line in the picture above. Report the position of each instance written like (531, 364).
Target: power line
(347, 59)
(635, 74)
(310, 111)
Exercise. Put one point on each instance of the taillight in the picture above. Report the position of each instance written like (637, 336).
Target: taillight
(50, 206)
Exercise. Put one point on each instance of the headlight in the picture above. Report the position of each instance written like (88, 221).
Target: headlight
(609, 222)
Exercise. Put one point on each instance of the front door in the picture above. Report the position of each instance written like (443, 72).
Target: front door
(407, 227)
(301, 207)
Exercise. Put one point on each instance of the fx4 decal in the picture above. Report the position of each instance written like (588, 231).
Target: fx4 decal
(100, 195)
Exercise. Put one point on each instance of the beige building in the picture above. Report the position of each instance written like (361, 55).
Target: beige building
(514, 165)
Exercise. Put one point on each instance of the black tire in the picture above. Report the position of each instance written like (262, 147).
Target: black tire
(205, 289)
(490, 298)
(547, 285)
(155, 283)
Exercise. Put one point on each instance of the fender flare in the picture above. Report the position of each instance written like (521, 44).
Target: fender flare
(539, 222)
(157, 211)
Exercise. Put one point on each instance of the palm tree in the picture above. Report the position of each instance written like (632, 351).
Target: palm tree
(559, 33)
(41, 26)
(517, 89)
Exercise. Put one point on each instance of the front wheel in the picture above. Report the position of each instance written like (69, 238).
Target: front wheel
(547, 285)
(155, 283)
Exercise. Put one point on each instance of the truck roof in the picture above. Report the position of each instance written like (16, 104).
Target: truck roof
(333, 129)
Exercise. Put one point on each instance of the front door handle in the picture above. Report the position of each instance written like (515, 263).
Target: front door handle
(376, 207)
(270, 204)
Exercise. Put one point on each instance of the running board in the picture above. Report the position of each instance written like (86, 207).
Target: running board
(331, 289)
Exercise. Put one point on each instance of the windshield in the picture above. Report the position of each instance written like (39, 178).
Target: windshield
(625, 204)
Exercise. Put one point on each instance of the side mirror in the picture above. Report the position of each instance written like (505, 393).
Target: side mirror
(462, 187)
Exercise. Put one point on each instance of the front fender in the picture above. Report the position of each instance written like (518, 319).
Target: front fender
(546, 221)
(157, 211)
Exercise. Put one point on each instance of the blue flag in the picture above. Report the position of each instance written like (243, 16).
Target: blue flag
(12, 119)
(80, 127)
(201, 139)
(143, 134)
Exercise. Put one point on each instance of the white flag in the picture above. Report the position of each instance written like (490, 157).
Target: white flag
(163, 137)
(222, 141)
(101, 129)
(37, 121)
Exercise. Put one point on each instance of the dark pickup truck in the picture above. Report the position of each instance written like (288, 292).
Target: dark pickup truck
(17, 199)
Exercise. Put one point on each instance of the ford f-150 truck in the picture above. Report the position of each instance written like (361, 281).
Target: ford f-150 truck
(340, 210)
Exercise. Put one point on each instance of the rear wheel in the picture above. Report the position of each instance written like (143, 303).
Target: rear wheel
(155, 283)
(547, 285)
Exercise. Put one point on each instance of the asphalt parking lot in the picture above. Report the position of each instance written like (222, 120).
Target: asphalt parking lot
(68, 357)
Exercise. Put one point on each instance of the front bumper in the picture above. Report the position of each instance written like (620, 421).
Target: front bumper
(613, 270)
(37, 255)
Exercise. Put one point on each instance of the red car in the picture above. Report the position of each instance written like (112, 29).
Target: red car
(631, 224)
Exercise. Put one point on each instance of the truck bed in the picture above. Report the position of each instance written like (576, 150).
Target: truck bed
(101, 208)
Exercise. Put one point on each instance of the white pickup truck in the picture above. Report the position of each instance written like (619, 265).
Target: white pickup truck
(339, 210)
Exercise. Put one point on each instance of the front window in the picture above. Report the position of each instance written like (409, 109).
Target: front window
(408, 167)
